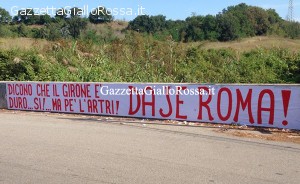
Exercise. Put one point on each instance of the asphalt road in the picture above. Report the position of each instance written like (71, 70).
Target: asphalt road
(51, 148)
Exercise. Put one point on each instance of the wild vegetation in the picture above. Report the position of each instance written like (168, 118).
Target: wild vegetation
(200, 49)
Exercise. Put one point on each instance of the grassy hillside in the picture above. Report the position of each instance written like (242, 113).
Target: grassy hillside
(140, 58)
(253, 47)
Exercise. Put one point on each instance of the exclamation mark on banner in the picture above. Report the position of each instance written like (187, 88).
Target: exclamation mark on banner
(286, 96)
(117, 103)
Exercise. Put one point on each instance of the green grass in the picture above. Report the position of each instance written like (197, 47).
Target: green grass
(138, 58)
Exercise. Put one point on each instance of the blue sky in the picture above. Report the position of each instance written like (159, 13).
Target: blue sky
(171, 9)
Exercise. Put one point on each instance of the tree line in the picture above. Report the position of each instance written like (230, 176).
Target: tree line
(232, 23)
(65, 22)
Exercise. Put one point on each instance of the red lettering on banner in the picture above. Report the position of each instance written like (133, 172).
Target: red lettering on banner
(10, 89)
(117, 108)
(169, 113)
(178, 103)
(245, 104)
(42, 90)
(90, 106)
(39, 104)
(18, 102)
(94, 105)
(270, 106)
(269, 109)
(80, 106)
(97, 91)
(107, 103)
(69, 105)
(56, 105)
(138, 103)
(55, 92)
(286, 96)
(101, 106)
(151, 103)
(204, 104)
(227, 116)
(76, 90)
(20, 89)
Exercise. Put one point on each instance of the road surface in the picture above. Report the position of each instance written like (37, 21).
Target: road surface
(52, 148)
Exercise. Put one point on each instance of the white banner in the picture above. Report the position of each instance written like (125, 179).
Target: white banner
(267, 105)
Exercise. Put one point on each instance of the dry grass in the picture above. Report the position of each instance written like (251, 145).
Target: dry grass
(255, 42)
(115, 26)
(29, 43)
(240, 46)
(36, 26)
(23, 43)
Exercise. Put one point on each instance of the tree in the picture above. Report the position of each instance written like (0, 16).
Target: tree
(76, 25)
(4, 16)
(5, 31)
(232, 23)
(229, 27)
(145, 23)
(141, 24)
(292, 29)
(209, 28)
(273, 16)
(253, 20)
(100, 15)
(55, 31)
(259, 19)
(157, 23)
(240, 12)
(44, 19)
(42, 33)
(22, 30)
(194, 31)
(175, 29)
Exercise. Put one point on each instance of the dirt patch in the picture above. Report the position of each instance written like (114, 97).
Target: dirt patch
(270, 134)
(282, 135)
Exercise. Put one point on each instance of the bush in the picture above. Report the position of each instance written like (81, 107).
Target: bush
(5, 31)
